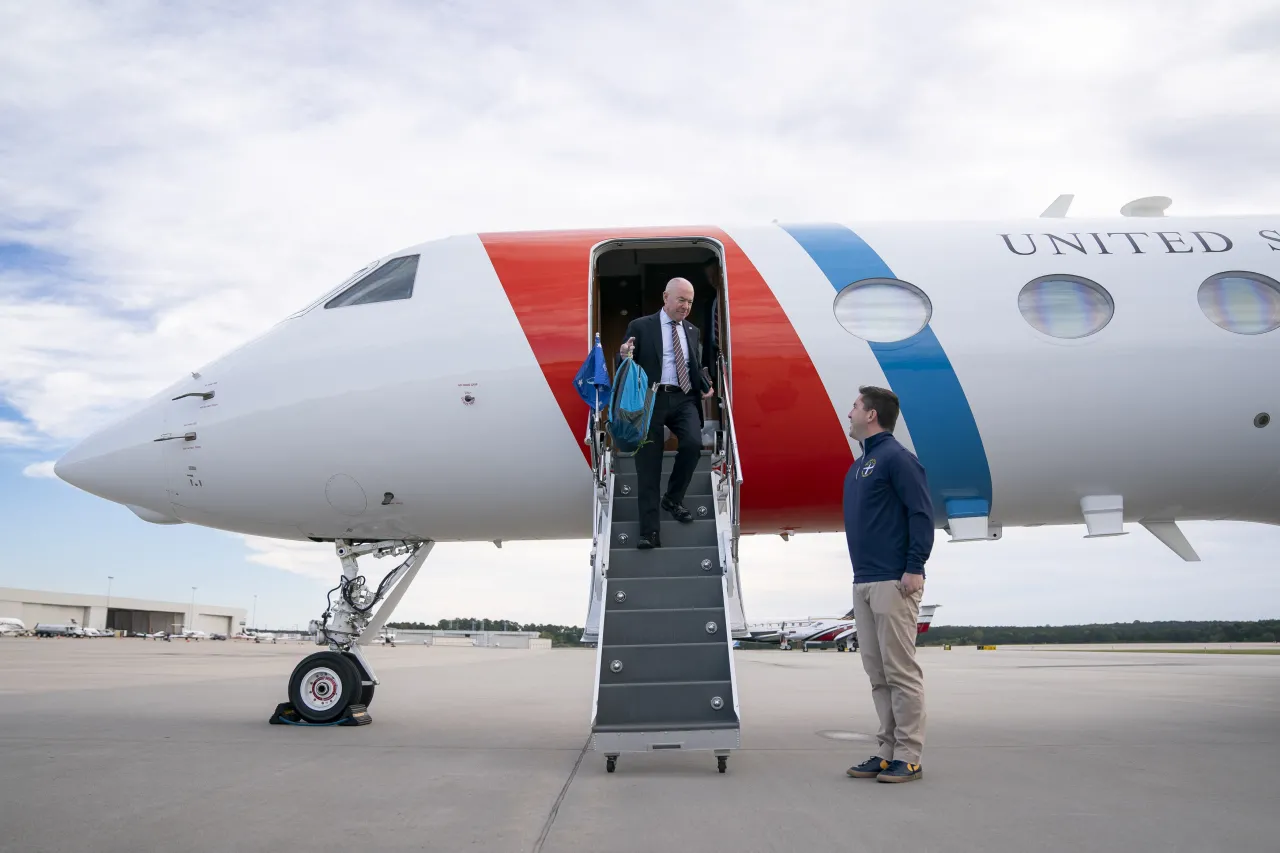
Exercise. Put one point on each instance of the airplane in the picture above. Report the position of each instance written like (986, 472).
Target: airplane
(15, 627)
(842, 630)
(1051, 371)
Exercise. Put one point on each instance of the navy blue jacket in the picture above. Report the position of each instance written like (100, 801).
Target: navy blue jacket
(888, 514)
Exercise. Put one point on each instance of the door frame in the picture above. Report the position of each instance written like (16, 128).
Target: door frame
(672, 242)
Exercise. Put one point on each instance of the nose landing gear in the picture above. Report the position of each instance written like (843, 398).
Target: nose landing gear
(335, 687)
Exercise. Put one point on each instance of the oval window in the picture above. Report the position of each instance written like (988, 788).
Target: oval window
(1242, 302)
(882, 310)
(1066, 306)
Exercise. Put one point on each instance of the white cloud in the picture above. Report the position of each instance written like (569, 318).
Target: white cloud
(524, 581)
(310, 559)
(15, 434)
(225, 168)
(1056, 576)
(203, 176)
(1036, 577)
(40, 470)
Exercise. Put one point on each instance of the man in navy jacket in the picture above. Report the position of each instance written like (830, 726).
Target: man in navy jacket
(888, 522)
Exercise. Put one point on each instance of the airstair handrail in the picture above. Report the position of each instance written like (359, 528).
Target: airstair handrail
(731, 440)
(728, 464)
(592, 440)
(601, 518)
(733, 472)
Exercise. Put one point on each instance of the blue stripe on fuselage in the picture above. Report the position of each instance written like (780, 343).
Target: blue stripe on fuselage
(934, 405)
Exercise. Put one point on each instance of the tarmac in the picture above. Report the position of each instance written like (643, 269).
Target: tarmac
(135, 745)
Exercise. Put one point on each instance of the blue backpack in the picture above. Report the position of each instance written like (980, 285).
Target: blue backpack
(630, 407)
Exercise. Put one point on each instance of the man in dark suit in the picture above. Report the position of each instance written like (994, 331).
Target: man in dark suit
(665, 345)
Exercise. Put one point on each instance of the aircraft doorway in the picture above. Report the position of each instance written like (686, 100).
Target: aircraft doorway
(627, 281)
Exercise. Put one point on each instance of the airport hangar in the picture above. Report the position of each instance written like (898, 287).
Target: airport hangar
(114, 613)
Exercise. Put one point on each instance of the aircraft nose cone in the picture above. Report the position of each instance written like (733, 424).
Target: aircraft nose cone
(121, 463)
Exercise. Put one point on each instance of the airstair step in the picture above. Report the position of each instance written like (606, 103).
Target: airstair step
(671, 532)
(664, 562)
(649, 707)
(678, 662)
(628, 508)
(704, 590)
(684, 625)
(627, 485)
(627, 464)
(663, 728)
(666, 678)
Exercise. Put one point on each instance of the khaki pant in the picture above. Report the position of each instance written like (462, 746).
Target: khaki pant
(886, 624)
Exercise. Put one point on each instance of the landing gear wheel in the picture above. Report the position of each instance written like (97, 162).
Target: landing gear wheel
(366, 690)
(722, 762)
(610, 763)
(322, 686)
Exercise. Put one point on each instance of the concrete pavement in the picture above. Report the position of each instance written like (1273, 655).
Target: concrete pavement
(130, 745)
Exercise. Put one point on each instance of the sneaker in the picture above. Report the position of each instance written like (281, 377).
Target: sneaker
(869, 768)
(900, 771)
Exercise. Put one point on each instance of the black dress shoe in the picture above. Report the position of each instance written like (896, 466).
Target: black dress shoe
(650, 541)
(678, 512)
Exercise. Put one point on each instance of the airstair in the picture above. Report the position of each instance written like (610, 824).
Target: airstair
(664, 619)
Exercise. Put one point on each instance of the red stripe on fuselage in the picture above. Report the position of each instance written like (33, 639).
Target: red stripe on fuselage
(791, 443)
(547, 276)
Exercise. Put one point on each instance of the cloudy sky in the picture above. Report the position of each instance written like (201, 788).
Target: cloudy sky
(175, 180)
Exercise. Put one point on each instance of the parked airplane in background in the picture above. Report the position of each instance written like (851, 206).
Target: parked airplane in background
(12, 626)
(1051, 372)
(842, 630)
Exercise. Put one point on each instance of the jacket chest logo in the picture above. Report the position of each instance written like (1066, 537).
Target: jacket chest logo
(868, 468)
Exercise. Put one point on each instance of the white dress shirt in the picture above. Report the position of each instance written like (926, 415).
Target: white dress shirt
(669, 376)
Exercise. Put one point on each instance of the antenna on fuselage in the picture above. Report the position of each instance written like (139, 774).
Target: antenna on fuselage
(1058, 210)
(1152, 205)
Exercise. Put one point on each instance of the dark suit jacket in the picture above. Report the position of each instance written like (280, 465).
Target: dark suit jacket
(648, 334)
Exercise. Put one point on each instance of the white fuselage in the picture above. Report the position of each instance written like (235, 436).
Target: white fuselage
(450, 416)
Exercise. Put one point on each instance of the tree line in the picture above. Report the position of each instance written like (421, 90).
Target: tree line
(559, 635)
(1262, 631)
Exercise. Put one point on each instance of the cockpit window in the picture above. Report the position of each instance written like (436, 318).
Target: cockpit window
(393, 280)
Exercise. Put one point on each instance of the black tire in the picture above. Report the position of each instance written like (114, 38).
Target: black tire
(366, 690)
(610, 764)
(721, 763)
(323, 686)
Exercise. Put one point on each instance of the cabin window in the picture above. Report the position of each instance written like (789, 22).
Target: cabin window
(393, 280)
(1242, 302)
(882, 310)
(1066, 306)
